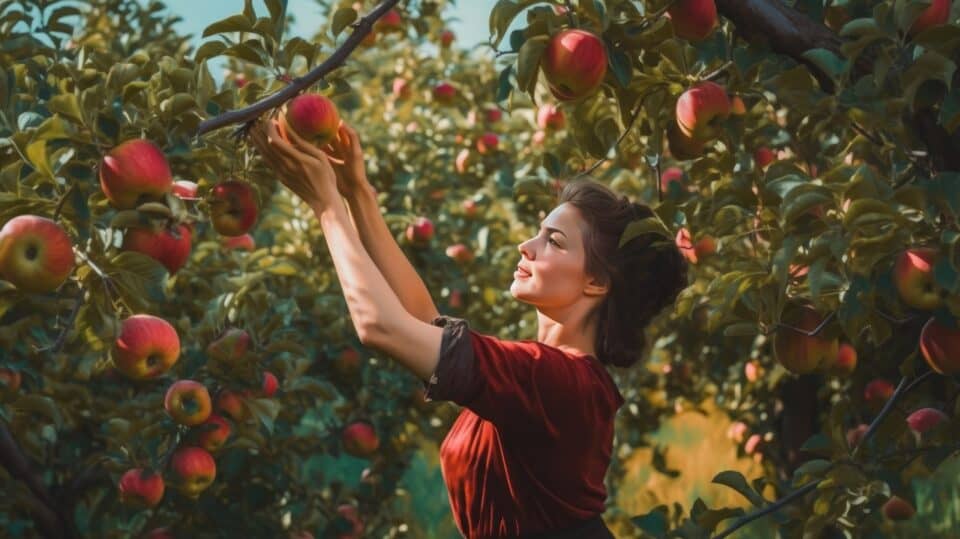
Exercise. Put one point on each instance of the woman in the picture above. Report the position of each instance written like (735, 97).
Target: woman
(528, 454)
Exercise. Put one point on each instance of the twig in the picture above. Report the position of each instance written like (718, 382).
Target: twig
(63, 199)
(62, 337)
(573, 22)
(246, 115)
(811, 333)
(633, 119)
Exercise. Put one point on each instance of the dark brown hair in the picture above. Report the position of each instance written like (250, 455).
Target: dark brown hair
(645, 275)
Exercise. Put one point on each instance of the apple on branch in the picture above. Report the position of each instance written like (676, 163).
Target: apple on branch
(212, 433)
(798, 352)
(169, 246)
(134, 172)
(693, 20)
(36, 254)
(146, 347)
(913, 277)
(700, 108)
(193, 470)
(141, 487)
(360, 439)
(233, 208)
(187, 402)
(312, 116)
(574, 64)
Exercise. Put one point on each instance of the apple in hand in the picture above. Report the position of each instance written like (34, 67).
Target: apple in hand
(913, 277)
(212, 433)
(146, 347)
(187, 402)
(693, 20)
(798, 352)
(314, 117)
(193, 470)
(233, 208)
(36, 254)
(700, 107)
(169, 246)
(134, 172)
(141, 488)
(574, 64)
(360, 439)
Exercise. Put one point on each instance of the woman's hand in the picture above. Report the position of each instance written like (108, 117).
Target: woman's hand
(347, 160)
(301, 166)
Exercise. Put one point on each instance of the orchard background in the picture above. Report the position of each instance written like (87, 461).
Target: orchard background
(799, 385)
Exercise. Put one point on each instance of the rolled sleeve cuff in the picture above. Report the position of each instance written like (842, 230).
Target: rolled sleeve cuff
(454, 378)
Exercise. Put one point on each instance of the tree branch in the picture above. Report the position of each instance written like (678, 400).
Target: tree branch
(337, 59)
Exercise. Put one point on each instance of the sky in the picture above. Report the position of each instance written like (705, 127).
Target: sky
(469, 19)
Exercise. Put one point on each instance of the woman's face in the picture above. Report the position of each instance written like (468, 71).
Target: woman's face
(555, 259)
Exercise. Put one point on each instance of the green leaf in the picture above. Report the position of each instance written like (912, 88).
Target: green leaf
(528, 63)
(741, 329)
(828, 62)
(736, 481)
(37, 154)
(649, 225)
(67, 105)
(621, 67)
(341, 19)
(209, 50)
(265, 410)
(233, 23)
(502, 15)
(654, 523)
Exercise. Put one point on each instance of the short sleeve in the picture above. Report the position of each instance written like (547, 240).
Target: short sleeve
(513, 384)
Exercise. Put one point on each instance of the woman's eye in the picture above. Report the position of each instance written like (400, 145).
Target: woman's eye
(553, 242)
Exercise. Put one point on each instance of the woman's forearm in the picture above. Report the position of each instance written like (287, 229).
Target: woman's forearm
(387, 255)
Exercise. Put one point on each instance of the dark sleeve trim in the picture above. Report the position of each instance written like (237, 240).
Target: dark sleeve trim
(454, 378)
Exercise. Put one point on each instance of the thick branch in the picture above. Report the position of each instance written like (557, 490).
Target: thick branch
(48, 517)
(245, 115)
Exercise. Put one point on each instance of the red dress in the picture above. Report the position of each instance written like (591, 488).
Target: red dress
(529, 452)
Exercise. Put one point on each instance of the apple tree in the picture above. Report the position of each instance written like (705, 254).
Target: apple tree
(804, 159)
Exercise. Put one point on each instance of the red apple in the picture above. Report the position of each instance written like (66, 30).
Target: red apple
(141, 488)
(845, 362)
(444, 93)
(574, 64)
(763, 156)
(456, 299)
(401, 88)
(193, 470)
(673, 175)
(487, 143)
(187, 402)
(10, 378)
(232, 344)
(693, 20)
(913, 277)
(798, 352)
(314, 117)
(238, 242)
(877, 392)
(550, 117)
(230, 403)
(360, 439)
(212, 433)
(694, 252)
(159, 533)
(460, 253)
(925, 419)
(420, 231)
(347, 363)
(682, 147)
(146, 347)
(700, 107)
(169, 246)
(937, 14)
(233, 208)
(270, 384)
(184, 189)
(134, 172)
(446, 38)
(896, 508)
(940, 346)
(389, 22)
(469, 208)
(492, 115)
(36, 254)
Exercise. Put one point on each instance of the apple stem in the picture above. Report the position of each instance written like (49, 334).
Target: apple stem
(247, 115)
